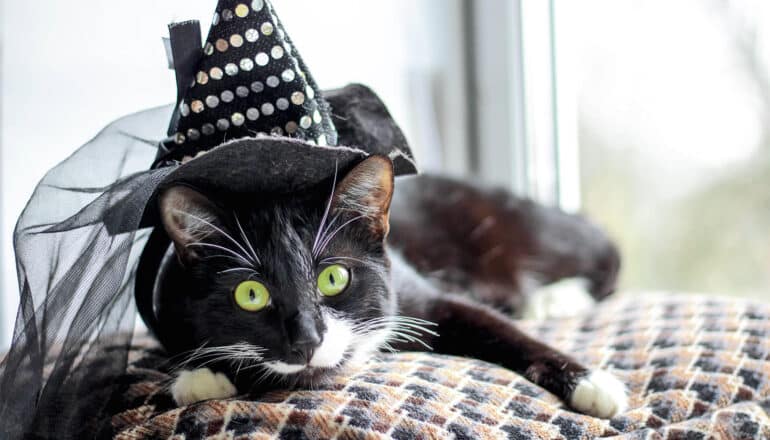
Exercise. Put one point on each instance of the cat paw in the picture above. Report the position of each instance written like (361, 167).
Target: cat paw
(600, 394)
(193, 386)
(562, 299)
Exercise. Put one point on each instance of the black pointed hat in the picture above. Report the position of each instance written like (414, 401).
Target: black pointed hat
(250, 81)
(248, 118)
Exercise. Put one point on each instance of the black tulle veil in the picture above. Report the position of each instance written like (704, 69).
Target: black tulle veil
(76, 282)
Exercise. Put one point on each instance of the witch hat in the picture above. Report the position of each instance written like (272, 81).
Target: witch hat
(249, 80)
(250, 102)
(248, 119)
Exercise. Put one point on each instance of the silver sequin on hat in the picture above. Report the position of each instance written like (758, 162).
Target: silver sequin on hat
(237, 119)
(257, 86)
(193, 134)
(241, 10)
(246, 64)
(242, 91)
(197, 106)
(207, 129)
(227, 96)
(236, 40)
(262, 59)
(287, 75)
(251, 35)
(231, 69)
(216, 73)
(212, 101)
(298, 98)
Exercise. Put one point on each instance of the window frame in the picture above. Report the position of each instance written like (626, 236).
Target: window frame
(523, 126)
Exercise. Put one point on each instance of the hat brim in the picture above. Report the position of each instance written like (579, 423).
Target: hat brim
(282, 165)
(268, 165)
(363, 120)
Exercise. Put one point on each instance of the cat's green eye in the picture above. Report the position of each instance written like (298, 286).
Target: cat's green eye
(333, 280)
(251, 296)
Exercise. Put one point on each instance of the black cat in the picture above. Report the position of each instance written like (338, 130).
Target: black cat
(265, 292)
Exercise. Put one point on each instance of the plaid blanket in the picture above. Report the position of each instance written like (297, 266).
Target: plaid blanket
(695, 367)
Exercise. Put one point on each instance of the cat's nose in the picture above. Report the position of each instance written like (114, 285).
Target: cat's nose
(303, 336)
(304, 352)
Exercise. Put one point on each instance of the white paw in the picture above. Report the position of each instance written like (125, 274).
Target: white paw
(600, 394)
(562, 299)
(201, 384)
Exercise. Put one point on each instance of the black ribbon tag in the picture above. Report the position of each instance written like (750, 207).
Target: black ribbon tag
(186, 51)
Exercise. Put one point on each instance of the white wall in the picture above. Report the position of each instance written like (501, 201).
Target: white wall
(69, 68)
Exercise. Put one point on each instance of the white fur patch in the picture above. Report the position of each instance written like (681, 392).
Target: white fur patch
(192, 386)
(336, 341)
(369, 344)
(562, 299)
(600, 394)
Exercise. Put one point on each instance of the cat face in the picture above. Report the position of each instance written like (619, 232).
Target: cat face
(294, 286)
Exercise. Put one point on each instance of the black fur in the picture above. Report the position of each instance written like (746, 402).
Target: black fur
(197, 304)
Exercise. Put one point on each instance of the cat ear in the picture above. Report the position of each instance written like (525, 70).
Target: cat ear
(367, 190)
(188, 217)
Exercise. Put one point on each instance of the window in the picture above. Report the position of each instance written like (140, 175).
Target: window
(674, 104)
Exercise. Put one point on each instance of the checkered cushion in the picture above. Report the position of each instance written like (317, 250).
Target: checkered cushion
(696, 368)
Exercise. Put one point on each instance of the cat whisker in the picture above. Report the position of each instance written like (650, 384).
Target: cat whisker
(399, 328)
(246, 239)
(184, 353)
(237, 269)
(417, 328)
(216, 228)
(258, 365)
(208, 355)
(415, 323)
(222, 248)
(408, 337)
(333, 259)
(389, 348)
(226, 357)
(336, 231)
(267, 374)
(322, 225)
(408, 321)
(408, 331)
(239, 260)
(398, 335)
(325, 232)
